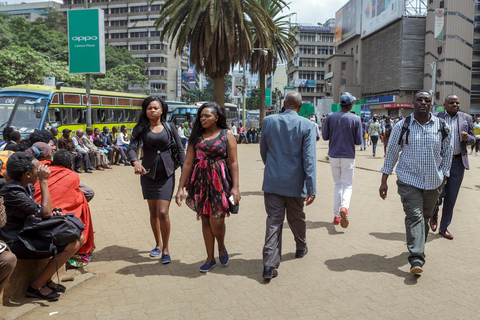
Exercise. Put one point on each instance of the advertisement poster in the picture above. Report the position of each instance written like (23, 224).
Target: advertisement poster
(439, 23)
(305, 83)
(347, 21)
(378, 13)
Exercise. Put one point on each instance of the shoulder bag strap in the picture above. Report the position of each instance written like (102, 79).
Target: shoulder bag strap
(226, 142)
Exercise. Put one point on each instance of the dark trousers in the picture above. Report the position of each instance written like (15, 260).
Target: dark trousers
(374, 143)
(241, 137)
(418, 205)
(450, 193)
(109, 154)
(77, 160)
(87, 159)
(120, 153)
(276, 207)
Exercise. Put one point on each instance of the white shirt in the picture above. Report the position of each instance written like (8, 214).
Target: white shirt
(180, 132)
(121, 139)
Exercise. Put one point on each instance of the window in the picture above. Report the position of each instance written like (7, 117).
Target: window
(356, 50)
(118, 115)
(66, 114)
(139, 9)
(134, 47)
(308, 36)
(351, 50)
(158, 46)
(118, 23)
(325, 49)
(325, 37)
(157, 72)
(142, 34)
(54, 117)
(307, 62)
(108, 101)
(118, 10)
(155, 7)
(344, 66)
(71, 98)
(55, 98)
(121, 35)
(120, 46)
(157, 86)
(154, 33)
(123, 102)
(306, 74)
(306, 49)
(78, 116)
(144, 59)
(137, 102)
(110, 116)
(329, 68)
(157, 59)
(94, 100)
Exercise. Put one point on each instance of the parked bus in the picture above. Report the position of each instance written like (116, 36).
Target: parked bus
(182, 113)
(30, 107)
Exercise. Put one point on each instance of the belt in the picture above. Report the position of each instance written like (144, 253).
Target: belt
(457, 155)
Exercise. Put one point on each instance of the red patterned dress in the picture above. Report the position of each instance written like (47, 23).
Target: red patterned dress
(210, 183)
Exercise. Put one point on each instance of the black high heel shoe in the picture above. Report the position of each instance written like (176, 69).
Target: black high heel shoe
(52, 296)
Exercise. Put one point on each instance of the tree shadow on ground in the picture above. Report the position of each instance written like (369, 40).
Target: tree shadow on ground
(368, 262)
(400, 236)
(251, 268)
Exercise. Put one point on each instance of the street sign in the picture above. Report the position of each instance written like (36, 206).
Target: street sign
(86, 41)
(268, 97)
(49, 81)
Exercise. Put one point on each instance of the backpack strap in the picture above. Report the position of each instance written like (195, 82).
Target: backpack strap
(443, 129)
(405, 130)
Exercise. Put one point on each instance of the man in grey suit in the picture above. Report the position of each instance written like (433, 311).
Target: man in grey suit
(461, 126)
(288, 150)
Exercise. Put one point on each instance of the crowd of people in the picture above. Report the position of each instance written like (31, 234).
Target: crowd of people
(428, 150)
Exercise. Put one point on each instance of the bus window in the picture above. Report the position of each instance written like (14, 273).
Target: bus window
(27, 116)
(95, 116)
(66, 116)
(102, 115)
(110, 116)
(54, 118)
(137, 102)
(94, 100)
(108, 101)
(123, 102)
(71, 98)
(55, 99)
(78, 117)
(6, 108)
(118, 115)
(137, 113)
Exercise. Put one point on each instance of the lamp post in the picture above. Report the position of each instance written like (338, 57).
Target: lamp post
(50, 61)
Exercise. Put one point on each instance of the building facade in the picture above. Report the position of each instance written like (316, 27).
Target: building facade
(306, 71)
(130, 24)
(30, 11)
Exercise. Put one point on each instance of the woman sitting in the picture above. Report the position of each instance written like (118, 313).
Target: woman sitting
(25, 170)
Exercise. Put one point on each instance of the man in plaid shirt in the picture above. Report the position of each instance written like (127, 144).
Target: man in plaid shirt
(424, 154)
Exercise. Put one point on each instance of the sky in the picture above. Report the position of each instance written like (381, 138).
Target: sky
(307, 11)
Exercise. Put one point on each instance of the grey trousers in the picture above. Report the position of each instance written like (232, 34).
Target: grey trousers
(276, 207)
(418, 206)
(8, 261)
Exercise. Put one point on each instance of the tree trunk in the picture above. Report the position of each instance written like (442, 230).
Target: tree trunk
(261, 101)
(219, 90)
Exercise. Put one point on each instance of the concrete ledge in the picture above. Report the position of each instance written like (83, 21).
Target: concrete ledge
(22, 305)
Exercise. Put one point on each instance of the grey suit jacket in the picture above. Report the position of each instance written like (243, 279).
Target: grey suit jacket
(288, 150)
(465, 123)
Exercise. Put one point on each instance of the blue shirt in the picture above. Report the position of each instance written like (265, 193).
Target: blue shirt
(344, 131)
(288, 150)
(425, 160)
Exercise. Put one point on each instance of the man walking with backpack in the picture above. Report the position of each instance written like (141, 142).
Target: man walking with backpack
(421, 145)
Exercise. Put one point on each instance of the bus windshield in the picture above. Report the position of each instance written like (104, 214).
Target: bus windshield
(26, 115)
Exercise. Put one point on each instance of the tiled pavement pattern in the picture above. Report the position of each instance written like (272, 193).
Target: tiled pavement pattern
(356, 273)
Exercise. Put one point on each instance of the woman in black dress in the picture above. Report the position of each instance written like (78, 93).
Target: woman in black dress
(157, 169)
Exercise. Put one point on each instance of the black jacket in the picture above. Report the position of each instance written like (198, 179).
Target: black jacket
(151, 155)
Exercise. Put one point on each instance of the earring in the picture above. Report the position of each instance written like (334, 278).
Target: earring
(28, 176)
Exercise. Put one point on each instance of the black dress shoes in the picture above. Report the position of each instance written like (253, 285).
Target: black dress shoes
(77, 170)
(88, 171)
(446, 234)
(269, 272)
(433, 223)
(301, 253)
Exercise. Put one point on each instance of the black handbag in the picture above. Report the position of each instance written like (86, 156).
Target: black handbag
(173, 148)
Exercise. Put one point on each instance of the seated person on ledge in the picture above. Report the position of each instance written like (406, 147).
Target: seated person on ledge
(65, 193)
(24, 170)
(8, 261)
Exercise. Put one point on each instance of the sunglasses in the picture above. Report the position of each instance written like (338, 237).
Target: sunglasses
(423, 100)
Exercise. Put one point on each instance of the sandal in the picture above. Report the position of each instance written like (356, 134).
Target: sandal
(58, 287)
(53, 296)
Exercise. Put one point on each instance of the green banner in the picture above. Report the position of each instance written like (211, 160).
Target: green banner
(86, 41)
(268, 97)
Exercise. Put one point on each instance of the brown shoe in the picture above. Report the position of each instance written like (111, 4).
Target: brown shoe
(433, 223)
(100, 168)
(107, 167)
(446, 234)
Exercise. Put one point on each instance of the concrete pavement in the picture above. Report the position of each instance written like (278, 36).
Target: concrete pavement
(356, 273)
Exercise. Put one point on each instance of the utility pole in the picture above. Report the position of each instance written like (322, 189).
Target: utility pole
(244, 90)
(87, 89)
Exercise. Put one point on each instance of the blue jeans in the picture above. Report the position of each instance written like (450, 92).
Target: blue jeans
(374, 143)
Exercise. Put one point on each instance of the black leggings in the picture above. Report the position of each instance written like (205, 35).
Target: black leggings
(476, 145)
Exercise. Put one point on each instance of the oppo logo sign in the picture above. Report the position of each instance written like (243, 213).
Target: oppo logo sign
(84, 38)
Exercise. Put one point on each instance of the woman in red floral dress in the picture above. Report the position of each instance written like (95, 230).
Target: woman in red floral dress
(210, 175)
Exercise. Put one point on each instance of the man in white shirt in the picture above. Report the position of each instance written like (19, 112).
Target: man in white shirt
(181, 133)
(87, 155)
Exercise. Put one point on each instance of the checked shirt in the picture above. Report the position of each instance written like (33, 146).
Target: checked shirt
(425, 160)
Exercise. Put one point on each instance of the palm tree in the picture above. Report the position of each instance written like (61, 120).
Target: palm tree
(218, 32)
(281, 47)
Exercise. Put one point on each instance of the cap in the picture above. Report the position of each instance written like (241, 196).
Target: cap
(346, 98)
(66, 131)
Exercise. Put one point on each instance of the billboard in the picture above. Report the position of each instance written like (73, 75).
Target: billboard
(378, 13)
(305, 83)
(86, 41)
(439, 24)
(347, 21)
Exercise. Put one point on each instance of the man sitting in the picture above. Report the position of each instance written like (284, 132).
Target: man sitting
(66, 194)
(66, 143)
(100, 156)
(15, 137)
(87, 155)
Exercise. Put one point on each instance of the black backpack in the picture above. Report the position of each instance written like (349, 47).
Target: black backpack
(406, 130)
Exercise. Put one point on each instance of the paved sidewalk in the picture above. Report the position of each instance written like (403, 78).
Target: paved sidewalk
(356, 273)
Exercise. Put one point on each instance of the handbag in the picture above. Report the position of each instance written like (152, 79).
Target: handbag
(233, 207)
(173, 148)
(365, 136)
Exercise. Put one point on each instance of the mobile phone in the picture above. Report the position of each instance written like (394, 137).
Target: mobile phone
(232, 200)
